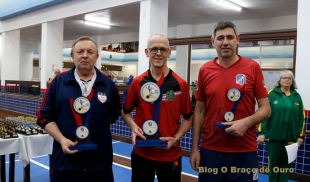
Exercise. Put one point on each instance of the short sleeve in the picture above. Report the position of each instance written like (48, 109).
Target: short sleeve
(260, 90)
(132, 99)
(200, 94)
(186, 109)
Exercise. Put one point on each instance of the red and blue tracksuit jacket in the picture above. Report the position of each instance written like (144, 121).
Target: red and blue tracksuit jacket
(56, 108)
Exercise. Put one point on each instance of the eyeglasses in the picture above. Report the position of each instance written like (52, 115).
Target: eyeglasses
(163, 50)
(286, 78)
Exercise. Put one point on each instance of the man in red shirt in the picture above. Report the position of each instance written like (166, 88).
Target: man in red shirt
(175, 100)
(229, 83)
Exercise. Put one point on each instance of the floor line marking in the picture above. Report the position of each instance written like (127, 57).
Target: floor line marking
(31, 158)
(121, 165)
(116, 142)
(39, 156)
(9, 161)
(122, 156)
(191, 175)
(39, 164)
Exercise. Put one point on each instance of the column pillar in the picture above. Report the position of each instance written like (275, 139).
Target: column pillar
(302, 56)
(181, 63)
(51, 52)
(153, 20)
(10, 57)
(26, 62)
(98, 40)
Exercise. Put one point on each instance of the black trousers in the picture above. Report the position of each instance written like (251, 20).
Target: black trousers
(83, 176)
(143, 169)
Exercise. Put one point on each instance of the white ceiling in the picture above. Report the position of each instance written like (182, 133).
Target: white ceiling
(125, 18)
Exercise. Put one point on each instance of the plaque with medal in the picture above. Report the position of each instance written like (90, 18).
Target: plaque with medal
(232, 95)
(150, 93)
(82, 106)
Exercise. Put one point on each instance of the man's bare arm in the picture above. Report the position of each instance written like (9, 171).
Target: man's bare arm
(53, 130)
(198, 121)
(239, 127)
(136, 130)
(185, 126)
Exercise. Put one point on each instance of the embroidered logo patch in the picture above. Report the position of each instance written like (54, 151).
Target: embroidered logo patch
(297, 104)
(102, 97)
(275, 102)
(170, 95)
(240, 79)
(176, 164)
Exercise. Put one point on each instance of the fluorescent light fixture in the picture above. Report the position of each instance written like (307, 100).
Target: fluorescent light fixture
(229, 4)
(99, 17)
(96, 24)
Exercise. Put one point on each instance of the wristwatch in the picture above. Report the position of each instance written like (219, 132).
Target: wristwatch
(177, 141)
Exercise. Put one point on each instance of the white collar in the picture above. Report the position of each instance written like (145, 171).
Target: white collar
(89, 84)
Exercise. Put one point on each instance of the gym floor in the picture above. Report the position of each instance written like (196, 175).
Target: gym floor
(39, 167)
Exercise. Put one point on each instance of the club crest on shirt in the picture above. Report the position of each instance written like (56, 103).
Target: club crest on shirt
(241, 79)
(296, 103)
(170, 95)
(102, 97)
(275, 102)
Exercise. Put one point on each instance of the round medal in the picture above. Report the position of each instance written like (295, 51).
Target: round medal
(81, 105)
(233, 94)
(150, 92)
(82, 132)
(150, 127)
(229, 116)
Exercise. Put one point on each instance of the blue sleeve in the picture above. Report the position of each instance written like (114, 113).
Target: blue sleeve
(47, 110)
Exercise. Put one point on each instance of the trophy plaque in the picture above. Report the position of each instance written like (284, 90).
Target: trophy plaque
(233, 95)
(82, 106)
(151, 92)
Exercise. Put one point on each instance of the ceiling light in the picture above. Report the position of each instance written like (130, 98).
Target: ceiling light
(96, 24)
(229, 4)
(99, 17)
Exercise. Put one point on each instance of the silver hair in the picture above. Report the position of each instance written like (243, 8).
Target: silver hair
(148, 40)
(293, 86)
(222, 25)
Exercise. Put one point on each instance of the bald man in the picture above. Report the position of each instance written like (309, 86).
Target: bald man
(175, 100)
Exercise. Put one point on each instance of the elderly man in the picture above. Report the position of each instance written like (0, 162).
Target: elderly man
(98, 97)
(175, 100)
(228, 86)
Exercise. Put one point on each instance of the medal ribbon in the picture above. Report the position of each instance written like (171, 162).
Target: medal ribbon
(77, 116)
(146, 106)
(235, 103)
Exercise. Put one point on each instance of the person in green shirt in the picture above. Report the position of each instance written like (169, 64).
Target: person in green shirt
(285, 124)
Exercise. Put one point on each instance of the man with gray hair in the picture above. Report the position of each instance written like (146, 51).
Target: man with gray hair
(77, 110)
(173, 102)
(225, 112)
